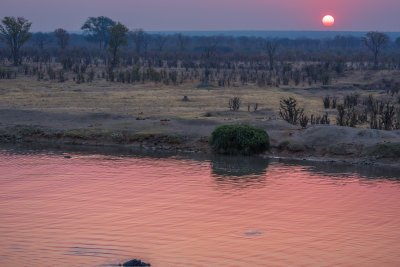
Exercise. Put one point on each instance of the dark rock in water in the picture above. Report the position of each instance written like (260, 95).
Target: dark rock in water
(135, 263)
(67, 157)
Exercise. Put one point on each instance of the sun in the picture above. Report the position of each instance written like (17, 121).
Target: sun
(328, 20)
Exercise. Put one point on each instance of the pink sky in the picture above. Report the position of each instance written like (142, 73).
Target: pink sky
(351, 15)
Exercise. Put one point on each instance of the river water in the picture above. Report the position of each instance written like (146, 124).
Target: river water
(102, 209)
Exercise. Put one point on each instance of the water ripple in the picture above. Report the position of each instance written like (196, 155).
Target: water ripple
(100, 210)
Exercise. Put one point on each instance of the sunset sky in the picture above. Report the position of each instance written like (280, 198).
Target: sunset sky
(350, 15)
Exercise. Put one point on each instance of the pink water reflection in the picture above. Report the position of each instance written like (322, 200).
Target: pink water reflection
(94, 210)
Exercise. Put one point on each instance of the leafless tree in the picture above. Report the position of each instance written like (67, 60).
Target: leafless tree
(140, 39)
(271, 47)
(289, 111)
(234, 103)
(397, 42)
(182, 41)
(375, 41)
(160, 41)
(210, 51)
(146, 42)
(41, 39)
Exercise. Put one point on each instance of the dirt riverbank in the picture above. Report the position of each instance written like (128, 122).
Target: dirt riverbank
(318, 142)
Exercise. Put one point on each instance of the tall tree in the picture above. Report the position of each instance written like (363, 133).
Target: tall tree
(375, 41)
(271, 47)
(62, 37)
(117, 38)
(160, 41)
(15, 32)
(141, 40)
(40, 39)
(182, 41)
(398, 42)
(97, 30)
(209, 53)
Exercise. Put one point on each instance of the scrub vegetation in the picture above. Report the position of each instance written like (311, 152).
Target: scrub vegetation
(239, 139)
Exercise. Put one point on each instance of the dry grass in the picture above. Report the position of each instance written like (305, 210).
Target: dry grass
(156, 100)
(151, 100)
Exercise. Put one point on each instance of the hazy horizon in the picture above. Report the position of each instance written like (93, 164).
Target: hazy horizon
(220, 15)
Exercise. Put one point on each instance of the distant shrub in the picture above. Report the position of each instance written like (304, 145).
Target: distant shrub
(351, 101)
(327, 102)
(334, 102)
(304, 121)
(239, 139)
(61, 77)
(346, 117)
(7, 74)
(326, 79)
(296, 77)
(285, 80)
(388, 116)
(234, 103)
(255, 107)
(288, 110)
(324, 119)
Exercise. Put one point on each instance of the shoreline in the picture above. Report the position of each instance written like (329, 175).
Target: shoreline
(288, 149)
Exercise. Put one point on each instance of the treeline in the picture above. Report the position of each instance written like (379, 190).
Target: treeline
(154, 42)
(109, 50)
(148, 44)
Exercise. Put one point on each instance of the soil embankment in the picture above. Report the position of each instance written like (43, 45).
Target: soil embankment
(318, 142)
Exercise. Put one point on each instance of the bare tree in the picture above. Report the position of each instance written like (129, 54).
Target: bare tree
(140, 39)
(210, 51)
(97, 29)
(40, 39)
(271, 47)
(182, 41)
(397, 42)
(234, 103)
(160, 41)
(375, 41)
(289, 111)
(146, 42)
(15, 32)
(62, 37)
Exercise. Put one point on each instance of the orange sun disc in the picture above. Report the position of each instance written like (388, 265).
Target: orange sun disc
(328, 20)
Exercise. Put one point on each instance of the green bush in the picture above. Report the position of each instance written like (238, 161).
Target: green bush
(239, 139)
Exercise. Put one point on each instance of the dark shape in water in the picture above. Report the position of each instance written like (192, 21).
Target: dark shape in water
(250, 233)
(135, 262)
(67, 157)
